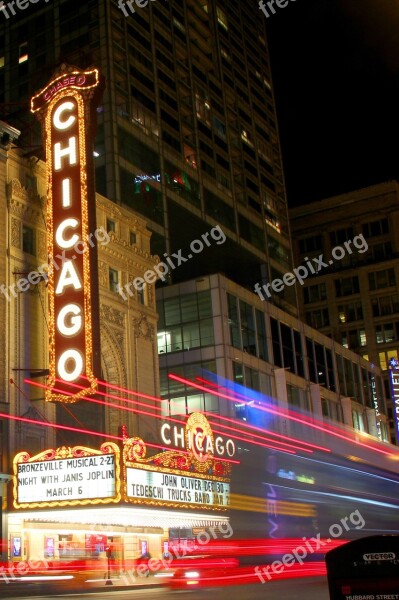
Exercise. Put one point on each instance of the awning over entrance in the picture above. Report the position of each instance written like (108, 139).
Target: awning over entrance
(123, 516)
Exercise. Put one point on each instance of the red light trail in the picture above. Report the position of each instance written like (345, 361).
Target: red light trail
(275, 412)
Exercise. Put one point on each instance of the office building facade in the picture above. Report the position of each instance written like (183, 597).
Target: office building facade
(354, 300)
(187, 131)
(212, 325)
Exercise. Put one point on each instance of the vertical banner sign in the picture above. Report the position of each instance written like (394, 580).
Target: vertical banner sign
(394, 380)
(376, 406)
(66, 110)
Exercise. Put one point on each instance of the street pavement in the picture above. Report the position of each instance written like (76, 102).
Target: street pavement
(314, 588)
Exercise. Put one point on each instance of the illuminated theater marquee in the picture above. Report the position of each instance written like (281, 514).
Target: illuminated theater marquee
(67, 477)
(65, 109)
(197, 475)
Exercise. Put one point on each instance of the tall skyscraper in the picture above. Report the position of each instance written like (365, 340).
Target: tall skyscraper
(187, 131)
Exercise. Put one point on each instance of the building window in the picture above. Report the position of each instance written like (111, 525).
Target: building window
(318, 318)
(330, 370)
(249, 378)
(350, 382)
(23, 52)
(141, 295)
(28, 239)
(385, 357)
(380, 251)
(341, 374)
(221, 17)
(320, 364)
(315, 293)
(297, 397)
(113, 280)
(185, 322)
(358, 421)
(111, 226)
(341, 236)
(386, 332)
(247, 328)
(261, 335)
(347, 286)
(350, 312)
(311, 244)
(234, 321)
(325, 408)
(385, 305)
(180, 400)
(133, 238)
(288, 348)
(354, 339)
(381, 279)
(375, 228)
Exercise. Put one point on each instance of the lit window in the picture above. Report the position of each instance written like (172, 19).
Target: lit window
(179, 25)
(113, 280)
(23, 52)
(392, 354)
(225, 54)
(362, 337)
(222, 19)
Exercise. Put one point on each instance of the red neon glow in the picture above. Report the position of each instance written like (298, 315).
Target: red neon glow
(328, 427)
(100, 393)
(125, 408)
(243, 575)
(276, 412)
(144, 412)
(315, 447)
(219, 417)
(264, 445)
(149, 397)
(127, 391)
(65, 427)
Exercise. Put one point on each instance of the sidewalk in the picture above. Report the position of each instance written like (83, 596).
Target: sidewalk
(79, 586)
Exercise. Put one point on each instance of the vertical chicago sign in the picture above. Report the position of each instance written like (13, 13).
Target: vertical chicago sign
(66, 109)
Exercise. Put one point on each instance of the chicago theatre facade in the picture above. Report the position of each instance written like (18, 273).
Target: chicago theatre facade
(69, 490)
(94, 448)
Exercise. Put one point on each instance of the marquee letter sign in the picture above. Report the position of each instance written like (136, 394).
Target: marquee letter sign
(67, 477)
(65, 108)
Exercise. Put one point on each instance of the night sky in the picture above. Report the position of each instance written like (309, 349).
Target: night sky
(335, 66)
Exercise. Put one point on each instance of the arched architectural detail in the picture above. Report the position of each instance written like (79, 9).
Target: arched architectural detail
(113, 362)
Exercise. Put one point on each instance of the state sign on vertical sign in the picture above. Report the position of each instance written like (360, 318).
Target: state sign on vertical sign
(66, 109)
